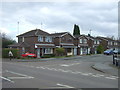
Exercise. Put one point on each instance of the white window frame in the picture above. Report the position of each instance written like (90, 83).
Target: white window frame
(98, 42)
(48, 51)
(95, 42)
(80, 40)
(85, 41)
(40, 39)
(111, 43)
(23, 39)
(48, 39)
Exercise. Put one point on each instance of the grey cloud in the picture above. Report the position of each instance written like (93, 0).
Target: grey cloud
(62, 16)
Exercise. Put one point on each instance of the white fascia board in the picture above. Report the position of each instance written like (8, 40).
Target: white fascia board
(66, 44)
(44, 44)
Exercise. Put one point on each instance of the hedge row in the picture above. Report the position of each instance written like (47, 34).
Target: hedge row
(5, 53)
(48, 56)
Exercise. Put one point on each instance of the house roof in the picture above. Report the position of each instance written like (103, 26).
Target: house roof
(35, 32)
(106, 38)
(58, 34)
(22, 44)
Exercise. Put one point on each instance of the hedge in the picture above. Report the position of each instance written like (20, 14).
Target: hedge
(5, 52)
(47, 56)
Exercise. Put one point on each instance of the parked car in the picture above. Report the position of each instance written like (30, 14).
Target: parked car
(29, 55)
(108, 52)
(117, 51)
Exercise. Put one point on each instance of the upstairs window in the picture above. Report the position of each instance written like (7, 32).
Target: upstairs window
(40, 39)
(94, 41)
(48, 39)
(84, 40)
(23, 39)
(98, 42)
(110, 43)
(80, 40)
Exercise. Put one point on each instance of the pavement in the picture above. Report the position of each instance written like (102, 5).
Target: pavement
(107, 67)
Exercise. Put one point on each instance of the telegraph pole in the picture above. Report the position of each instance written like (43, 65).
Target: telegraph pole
(18, 27)
(41, 25)
(90, 32)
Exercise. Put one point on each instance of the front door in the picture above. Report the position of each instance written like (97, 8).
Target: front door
(75, 51)
(38, 53)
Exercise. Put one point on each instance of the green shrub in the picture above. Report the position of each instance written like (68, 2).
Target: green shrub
(5, 52)
(60, 51)
(48, 56)
(100, 49)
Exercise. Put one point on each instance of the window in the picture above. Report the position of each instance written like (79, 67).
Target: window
(40, 39)
(48, 51)
(23, 39)
(85, 41)
(98, 42)
(111, 43)
(23, 50)
(48, 39)
(80, 40)
(94, 41)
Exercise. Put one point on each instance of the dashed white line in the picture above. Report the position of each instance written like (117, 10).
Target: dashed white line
(20, 77)
(16, 73)
(111, 78)
(64, 86)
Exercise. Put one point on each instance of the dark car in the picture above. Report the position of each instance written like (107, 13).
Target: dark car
(108, 52)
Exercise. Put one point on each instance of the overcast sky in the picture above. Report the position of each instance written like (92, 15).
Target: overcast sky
(100, 17)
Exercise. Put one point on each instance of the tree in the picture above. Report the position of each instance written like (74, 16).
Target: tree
(76, 30)
(59, 51)
(6, 40)
(100, 49)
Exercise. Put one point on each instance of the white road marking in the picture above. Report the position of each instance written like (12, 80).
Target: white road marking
(64, 65)
(114, 76)
(95, 76)
(23, 75)
(67, 65)
(54, 69)
(64, 86)
(85, 74)
(111, 78)
(16, 73)
(42, 67)
(20, 77)
(7, 79)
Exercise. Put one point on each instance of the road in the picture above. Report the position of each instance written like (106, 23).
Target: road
(59, 73)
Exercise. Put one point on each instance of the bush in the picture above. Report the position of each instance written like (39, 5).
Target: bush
(60, 51)
(5, 52)
(100, 49)
(47, 56)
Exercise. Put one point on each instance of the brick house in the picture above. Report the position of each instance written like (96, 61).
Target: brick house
(35, 41)
(86, 44)
(94, 42)
(82, 43)
(40, 42)
(108, 43)
(66, 41)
